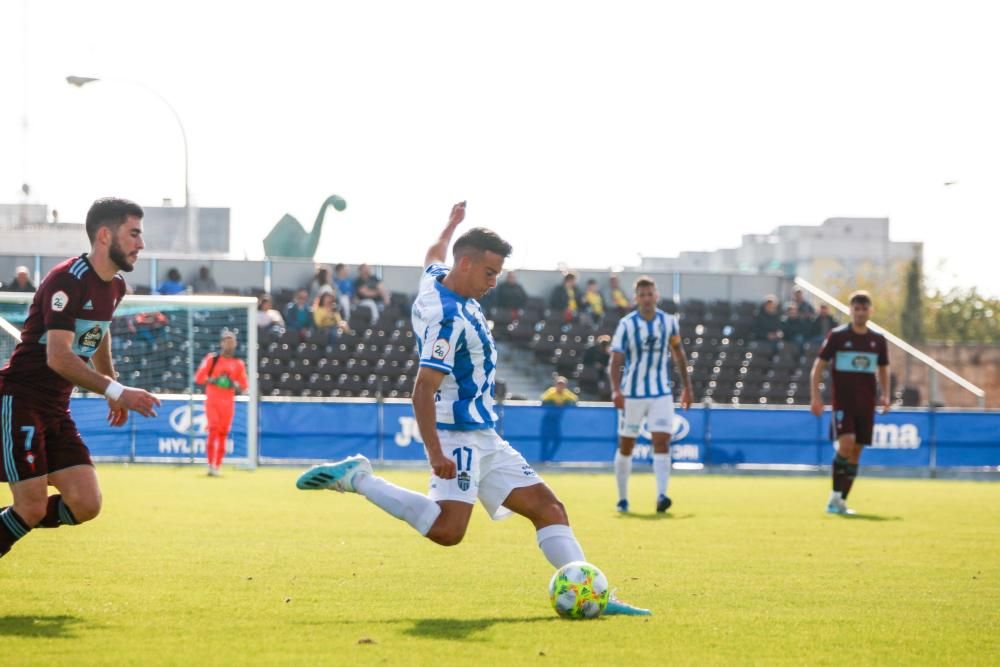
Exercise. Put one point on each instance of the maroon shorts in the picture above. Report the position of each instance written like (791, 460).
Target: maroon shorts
(847, 423)
(37, 440)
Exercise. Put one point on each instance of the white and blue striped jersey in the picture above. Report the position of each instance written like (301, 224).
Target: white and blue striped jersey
(453, 337)
(646, 345)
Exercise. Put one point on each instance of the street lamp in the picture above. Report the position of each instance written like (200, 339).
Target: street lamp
(81, 81)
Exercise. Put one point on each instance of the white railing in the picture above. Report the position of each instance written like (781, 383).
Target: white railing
(934, 367)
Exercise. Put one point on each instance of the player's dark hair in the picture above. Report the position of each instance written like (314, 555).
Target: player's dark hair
(110, 212)
(861, 296)
(480, 239)
(644, 281)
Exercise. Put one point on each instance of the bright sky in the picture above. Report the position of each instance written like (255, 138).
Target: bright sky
(586, 133)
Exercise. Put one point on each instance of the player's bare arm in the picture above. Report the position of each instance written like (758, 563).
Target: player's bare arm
(816, 396)
(615, 369)
(439, 251)
(883, 383)
(424, 389)
(680, 358)
(103, 364)
(61, 358)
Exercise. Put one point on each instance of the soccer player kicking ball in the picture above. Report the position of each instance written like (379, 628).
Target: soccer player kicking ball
(453, 405)
(857, 353)
(67, 326)
(640, 387)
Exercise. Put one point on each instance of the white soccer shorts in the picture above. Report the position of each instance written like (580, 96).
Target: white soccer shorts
(658, 413)
(487, 467)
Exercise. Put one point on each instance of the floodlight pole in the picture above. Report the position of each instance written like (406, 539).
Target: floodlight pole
(81, 81)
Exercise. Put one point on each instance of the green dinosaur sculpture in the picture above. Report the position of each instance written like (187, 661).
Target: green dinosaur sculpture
(289, 239)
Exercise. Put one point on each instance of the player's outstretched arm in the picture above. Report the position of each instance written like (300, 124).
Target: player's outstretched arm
(424, 388)
(61, 358)
(439, 251)
(815, 395)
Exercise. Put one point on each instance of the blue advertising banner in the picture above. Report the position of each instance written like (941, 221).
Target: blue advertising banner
(178, 431)
(323, 429)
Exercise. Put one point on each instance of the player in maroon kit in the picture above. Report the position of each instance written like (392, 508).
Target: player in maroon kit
(858, 355)
(67, 326)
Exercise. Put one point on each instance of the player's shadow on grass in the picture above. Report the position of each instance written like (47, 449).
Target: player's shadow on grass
(654, 516)
(868, 517)
(461, 629)
(38, 626)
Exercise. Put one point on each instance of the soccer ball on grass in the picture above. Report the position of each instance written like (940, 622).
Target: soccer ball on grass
(579, 590)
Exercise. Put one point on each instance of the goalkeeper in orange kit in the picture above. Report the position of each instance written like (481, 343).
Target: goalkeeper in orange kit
(223, 376)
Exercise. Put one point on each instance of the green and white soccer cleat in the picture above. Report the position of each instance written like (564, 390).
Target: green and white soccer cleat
(337, 476)
(618, 608)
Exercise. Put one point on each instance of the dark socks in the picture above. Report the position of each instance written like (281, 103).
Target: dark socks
(840, 466)
(852, 472)
(57, 514)
(12, 528)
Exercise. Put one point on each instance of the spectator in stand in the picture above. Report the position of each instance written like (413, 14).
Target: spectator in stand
(598, 355)
(559, 393)
(298, 314)
(21, 282)
(822, 324)
(620, 303)
(565, 298)
(173, 284)
(593, 302)
(806, 309)
(268, 319)
(327, 318)
(204, 283)
(795, 328)
(369, 291)
(767, 322)
(510, 295)
(345, 288)
(320, 283)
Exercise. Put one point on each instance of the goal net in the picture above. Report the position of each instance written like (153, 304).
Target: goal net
(157, 344)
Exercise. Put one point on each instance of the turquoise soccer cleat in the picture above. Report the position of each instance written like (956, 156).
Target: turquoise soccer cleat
(337, 476)
(618, 608)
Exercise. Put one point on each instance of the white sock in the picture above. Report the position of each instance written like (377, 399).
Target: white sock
(835, 496)
(417, 510)
(623, 468)
(559, 545)
(661, 469)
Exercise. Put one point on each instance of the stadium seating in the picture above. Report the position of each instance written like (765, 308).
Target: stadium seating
(378, 358)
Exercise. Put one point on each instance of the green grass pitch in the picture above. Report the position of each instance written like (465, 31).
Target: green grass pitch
(188, 570)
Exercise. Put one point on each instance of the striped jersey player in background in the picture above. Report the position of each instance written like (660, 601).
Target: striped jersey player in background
(453, 405)
(67, 327)
(641, 349)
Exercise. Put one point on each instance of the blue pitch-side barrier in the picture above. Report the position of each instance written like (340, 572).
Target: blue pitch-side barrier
(330, 430)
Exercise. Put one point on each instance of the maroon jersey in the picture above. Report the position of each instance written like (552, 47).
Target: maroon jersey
(854, 358)
(72, 297)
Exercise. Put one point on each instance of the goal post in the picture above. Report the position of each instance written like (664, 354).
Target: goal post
(157, 344)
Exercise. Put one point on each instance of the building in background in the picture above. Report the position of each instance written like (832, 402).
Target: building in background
(831, 253)
(28, 226)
